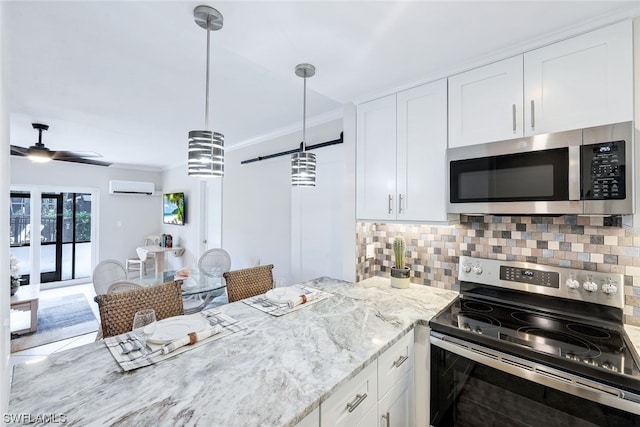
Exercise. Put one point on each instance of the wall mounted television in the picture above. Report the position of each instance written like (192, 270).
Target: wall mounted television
(173, 209)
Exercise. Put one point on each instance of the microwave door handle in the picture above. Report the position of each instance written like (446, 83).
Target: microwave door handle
(574, 173)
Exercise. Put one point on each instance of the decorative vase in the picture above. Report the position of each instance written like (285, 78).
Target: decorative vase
(400, 277)
(15, 284)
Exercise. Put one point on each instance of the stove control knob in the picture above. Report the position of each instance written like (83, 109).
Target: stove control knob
(478, 330)
(466, 267)
(590, 286)
(572, 283)
(609, 289)
(477, 269)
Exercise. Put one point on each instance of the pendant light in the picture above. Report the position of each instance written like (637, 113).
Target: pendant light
(303, 163)
(206, 147)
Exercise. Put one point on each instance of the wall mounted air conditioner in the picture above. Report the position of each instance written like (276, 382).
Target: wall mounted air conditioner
(131, 187)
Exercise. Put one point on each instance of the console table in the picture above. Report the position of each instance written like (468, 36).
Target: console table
(26, 299)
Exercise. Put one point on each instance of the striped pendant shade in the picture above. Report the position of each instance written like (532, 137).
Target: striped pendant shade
(206, 153)
(303, 169)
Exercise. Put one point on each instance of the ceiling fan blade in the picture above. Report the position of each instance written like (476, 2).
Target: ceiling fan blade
(84, 161)
(19, 151)
(60, 155)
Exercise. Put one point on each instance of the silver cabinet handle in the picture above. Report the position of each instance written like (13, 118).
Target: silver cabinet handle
(400, 361)
(390, 203)
(387, 417)
(513, 116)
(533, 114)
(400, 198)
(357, 401)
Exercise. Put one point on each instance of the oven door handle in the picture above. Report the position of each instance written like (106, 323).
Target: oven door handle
(538, 373)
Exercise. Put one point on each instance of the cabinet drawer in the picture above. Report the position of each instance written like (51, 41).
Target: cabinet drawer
(395, 362)
(352, 400)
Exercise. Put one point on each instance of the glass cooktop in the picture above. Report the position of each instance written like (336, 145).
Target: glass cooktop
(566, 342)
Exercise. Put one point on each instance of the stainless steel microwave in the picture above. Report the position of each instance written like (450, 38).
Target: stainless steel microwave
(584, 171)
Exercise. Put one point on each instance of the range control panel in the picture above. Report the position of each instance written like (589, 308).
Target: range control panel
(531, 276)
(581, 285)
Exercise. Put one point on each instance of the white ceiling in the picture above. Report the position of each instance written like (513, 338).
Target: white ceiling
(126, 79)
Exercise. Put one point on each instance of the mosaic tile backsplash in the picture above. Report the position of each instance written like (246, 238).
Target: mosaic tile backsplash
(581, 242)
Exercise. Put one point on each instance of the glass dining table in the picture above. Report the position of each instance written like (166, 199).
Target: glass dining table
(198, 290)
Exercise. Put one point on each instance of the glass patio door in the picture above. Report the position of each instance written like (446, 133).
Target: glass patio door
(65, 235)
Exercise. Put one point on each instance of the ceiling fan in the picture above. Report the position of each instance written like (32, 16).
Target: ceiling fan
(38, 153)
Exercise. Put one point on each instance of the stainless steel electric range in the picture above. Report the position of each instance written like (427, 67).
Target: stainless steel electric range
(535, 345)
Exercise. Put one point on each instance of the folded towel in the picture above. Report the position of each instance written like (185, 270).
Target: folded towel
(303, 298)
(191, 338)
(183, 273)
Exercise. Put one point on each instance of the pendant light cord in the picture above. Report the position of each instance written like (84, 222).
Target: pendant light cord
(206, 102)
(304, 115)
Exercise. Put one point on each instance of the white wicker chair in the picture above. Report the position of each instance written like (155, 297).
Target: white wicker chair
(107, 272)
(123, 285)
(214, 262)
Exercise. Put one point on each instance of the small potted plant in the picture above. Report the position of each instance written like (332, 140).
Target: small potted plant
(399, 273)
(14, 269)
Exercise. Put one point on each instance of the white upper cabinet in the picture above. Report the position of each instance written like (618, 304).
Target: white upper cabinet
(401, 155)
(421, 153)
(376, 158)
(580, 82)
(485, 104)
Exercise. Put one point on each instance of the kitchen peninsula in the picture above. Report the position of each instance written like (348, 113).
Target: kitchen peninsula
(275, 372)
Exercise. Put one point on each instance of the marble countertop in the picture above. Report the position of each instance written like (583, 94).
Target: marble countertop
(273, 373)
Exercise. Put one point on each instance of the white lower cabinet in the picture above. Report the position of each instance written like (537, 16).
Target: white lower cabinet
(311, 420)
(381, 395)
(395, 409)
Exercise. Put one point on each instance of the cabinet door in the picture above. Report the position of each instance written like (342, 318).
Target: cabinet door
(376, 159)
(422, 153)
(395, 409)
(311, 420)
(485, 104)
(351, 401)
(581, 82)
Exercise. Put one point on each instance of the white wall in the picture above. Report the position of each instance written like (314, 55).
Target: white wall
(202, 229)
(4, 219)
(265, 220)
(123, 220)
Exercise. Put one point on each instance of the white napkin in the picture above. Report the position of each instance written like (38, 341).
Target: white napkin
(300, 300)
(181, 342)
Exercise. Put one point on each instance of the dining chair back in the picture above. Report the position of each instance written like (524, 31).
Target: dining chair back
(107, 272)
(214, 262)
(117, 309)
(123, 285)
(248, 282)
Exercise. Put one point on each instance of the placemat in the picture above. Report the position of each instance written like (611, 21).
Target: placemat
(152, 353)
(262, 303)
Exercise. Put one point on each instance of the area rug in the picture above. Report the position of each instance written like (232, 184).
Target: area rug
(59, 318)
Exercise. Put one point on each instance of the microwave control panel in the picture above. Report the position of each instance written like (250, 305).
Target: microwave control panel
(603, 169)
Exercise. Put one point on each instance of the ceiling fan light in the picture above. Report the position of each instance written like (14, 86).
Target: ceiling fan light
(206, 153)
(303, 169)
(39, 157)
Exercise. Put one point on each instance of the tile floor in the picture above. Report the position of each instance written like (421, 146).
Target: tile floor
(32, 355)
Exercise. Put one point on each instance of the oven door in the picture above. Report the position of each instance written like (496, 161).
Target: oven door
(472, 385)
(535, 175)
